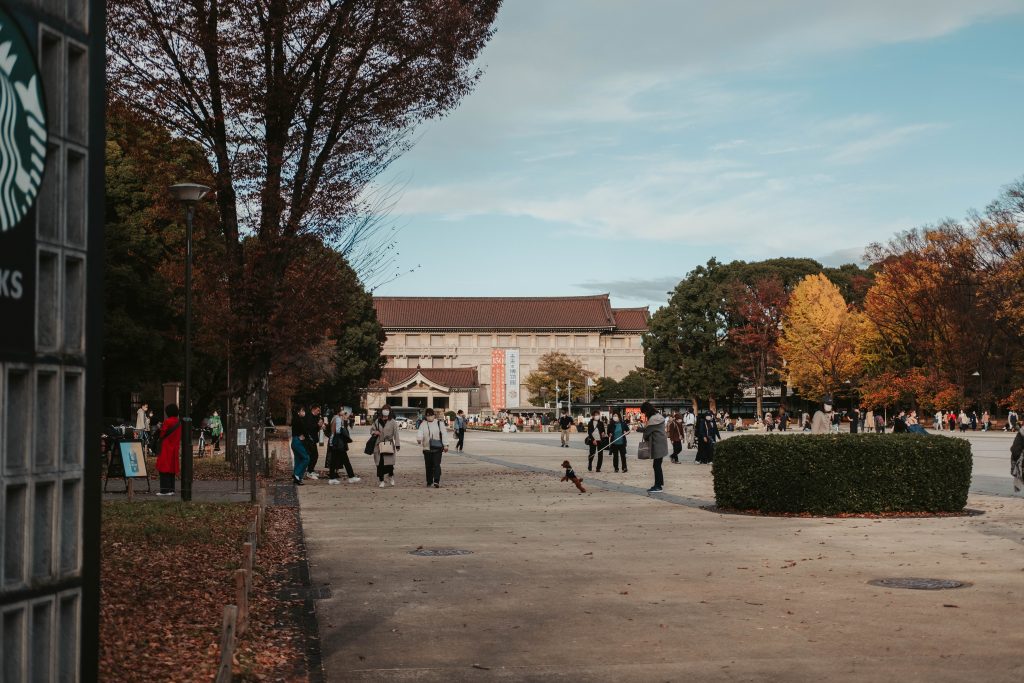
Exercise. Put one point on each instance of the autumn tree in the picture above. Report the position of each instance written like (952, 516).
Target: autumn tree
(756, 311)
(298, 105)
(820, 336)
(557, 367)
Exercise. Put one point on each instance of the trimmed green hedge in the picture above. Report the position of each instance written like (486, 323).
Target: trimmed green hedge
(829, 474)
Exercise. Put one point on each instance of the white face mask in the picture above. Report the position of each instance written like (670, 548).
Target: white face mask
(385, 413)
(616, 418)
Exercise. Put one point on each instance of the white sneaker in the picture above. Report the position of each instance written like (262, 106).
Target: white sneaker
(391, 479)
(312, 475)
(354, 480)
(334, 481)
(381, 485)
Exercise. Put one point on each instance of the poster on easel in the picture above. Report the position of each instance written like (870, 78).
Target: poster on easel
(133, 460)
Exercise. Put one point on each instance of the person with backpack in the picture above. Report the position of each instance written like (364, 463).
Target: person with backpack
(460, 430)
(167, 463)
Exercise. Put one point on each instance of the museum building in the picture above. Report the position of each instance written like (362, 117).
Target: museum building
(473, 353)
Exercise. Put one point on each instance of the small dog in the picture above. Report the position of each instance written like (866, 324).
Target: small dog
(571, 476)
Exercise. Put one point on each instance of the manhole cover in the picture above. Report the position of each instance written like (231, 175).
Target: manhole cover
(919, 584)
(440, 552)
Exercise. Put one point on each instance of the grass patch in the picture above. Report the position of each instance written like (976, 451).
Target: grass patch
(175, 523)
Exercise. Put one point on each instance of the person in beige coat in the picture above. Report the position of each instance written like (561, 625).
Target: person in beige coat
(821, 423)
(388, 444)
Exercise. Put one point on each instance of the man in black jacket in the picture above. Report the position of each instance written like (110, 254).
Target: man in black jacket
(313, 425)
(565, 425)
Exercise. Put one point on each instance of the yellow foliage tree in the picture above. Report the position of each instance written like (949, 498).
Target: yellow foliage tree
(820, 338)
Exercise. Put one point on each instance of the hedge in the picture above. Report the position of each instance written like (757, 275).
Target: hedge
(829, 474)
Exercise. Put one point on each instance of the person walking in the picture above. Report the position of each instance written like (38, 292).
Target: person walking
(565, 425)
(783, 420)
(460, 430)
(707, 436)
(314, 423)
(690, 429)
(337, 449)
(675, 435)
(596, 436)
(654, 434)
(617, 431)
(300, 442)
(167, 463)
(1017, 461)
(430, 436)
(216, 430)
(986, 421)
(855, 420)
(388, 444)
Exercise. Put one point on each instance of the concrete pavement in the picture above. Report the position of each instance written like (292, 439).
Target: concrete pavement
(614, 585)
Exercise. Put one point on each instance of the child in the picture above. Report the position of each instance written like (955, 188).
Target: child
(571, 476)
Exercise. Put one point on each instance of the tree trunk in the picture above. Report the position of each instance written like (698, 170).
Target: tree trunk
(759, 397)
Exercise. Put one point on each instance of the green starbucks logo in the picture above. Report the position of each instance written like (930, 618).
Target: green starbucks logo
(22, 125)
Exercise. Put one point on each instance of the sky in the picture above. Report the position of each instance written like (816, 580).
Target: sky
(612, 146)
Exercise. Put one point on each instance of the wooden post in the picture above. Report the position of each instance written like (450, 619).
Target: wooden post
(131, 489)
(227, 644)
(242, 598)
(253, 537)
(247, 562)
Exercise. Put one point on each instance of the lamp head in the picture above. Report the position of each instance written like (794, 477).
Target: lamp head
(189, 193)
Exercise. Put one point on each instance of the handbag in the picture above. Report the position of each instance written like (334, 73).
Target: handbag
(371, 444)
(643, 451)
(435, 444)
(387, 448)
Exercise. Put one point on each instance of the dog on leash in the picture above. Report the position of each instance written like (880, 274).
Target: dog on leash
(570, 475)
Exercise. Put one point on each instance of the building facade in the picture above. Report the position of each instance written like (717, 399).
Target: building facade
(51, 256)
(501, 340)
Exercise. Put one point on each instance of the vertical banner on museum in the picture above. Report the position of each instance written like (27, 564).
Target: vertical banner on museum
(512, 378)
(498, 379)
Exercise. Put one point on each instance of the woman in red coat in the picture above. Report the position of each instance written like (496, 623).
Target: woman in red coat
(170, 449)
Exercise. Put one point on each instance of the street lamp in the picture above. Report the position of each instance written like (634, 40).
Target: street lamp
(981, 386)
(189, 194)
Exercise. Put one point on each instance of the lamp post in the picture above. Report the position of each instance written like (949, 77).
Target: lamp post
(981, 387)
(189, 194)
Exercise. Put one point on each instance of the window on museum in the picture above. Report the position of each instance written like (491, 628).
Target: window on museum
(504, 341)
(618, 342)
(417, 401)
(562, 342)
(581, 341)
(440, 402)
(523, 341)
(437, 340)
(484, 341)
(412, 340)
(543, 341)
(465, 340)
(395, 401)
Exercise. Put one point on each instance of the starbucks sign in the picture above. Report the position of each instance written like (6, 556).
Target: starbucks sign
(22, 126)
(23, 138)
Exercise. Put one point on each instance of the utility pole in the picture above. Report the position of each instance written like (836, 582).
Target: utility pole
(570, 398)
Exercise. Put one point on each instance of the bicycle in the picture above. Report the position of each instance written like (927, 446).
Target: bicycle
(203, 435)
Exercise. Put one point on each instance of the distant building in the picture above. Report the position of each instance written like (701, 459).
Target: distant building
(474, 353)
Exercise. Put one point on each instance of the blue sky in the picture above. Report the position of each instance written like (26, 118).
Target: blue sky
(612, 146)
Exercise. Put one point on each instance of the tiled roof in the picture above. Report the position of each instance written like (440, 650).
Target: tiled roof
(631, 319)
(495, 313)
(453, 378)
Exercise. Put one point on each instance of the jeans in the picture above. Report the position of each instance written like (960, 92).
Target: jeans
(618, 453)
(339, 459)
(462, 437)
(659, 476)
(301, 458)
(677, 448)
(595, 448)
(432, 465)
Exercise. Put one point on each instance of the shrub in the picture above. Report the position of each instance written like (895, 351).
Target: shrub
(834, 473)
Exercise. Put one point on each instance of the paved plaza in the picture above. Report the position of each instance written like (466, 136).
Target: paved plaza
(616, 585)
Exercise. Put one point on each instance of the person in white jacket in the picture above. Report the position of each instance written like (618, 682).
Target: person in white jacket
(432, 438)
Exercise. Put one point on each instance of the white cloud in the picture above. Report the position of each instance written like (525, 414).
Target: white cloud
(856, 151)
